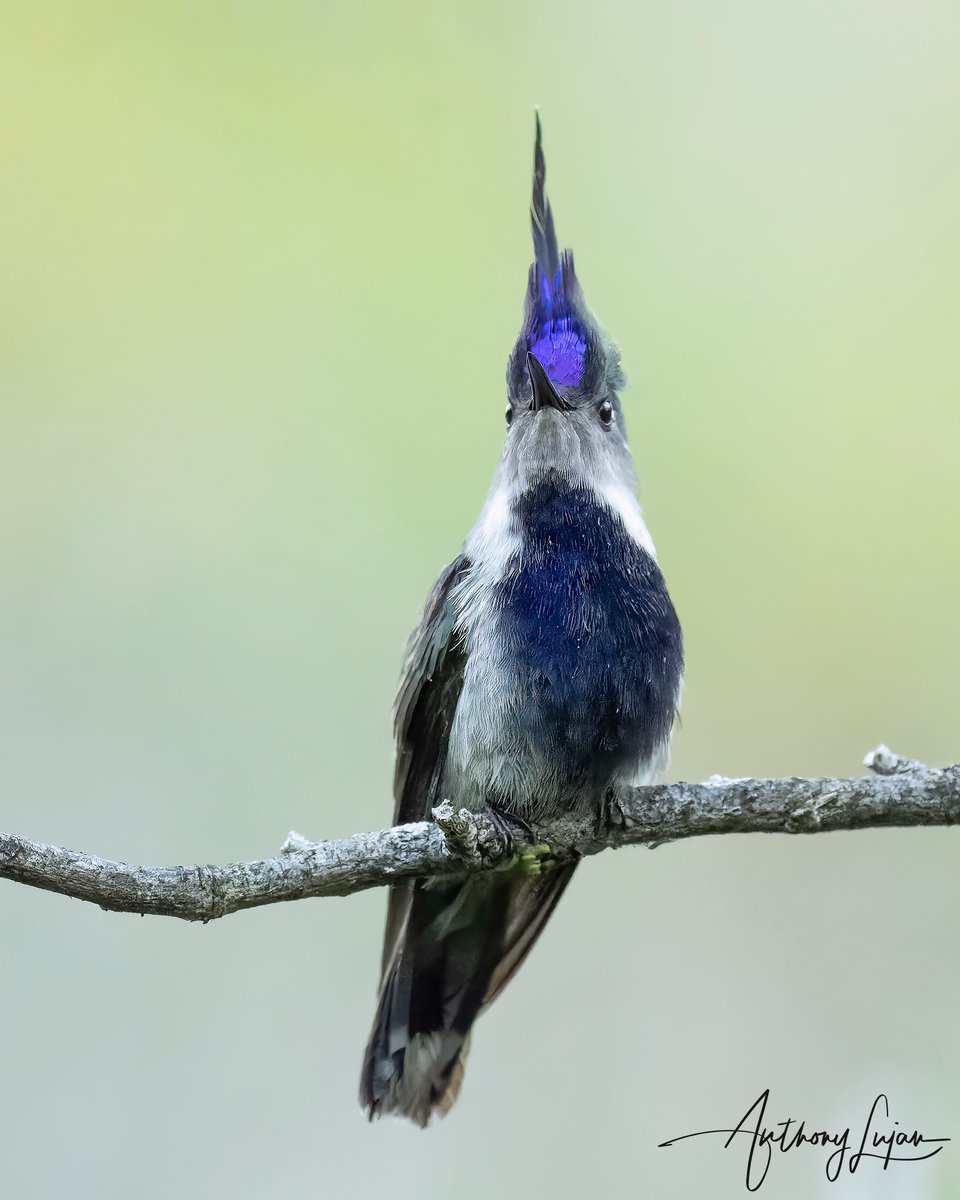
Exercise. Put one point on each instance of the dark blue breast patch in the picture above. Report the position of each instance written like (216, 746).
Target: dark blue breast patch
(592, 633)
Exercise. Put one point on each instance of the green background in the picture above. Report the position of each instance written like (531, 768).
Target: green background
(260, 268)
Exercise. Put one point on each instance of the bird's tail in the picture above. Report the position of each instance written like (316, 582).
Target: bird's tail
(455, 946)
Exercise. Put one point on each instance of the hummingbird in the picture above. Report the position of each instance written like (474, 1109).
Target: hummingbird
(545, 673)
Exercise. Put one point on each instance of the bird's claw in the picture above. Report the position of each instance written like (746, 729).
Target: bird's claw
(513, 830)
(521, 850)
(611, 817)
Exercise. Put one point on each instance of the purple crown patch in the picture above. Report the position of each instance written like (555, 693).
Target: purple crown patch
(561, 350)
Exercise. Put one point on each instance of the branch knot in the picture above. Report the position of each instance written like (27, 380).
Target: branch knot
(461, 833)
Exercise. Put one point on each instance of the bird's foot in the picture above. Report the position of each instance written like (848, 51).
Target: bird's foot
(522, 852)
(513, 830)
(611, 817)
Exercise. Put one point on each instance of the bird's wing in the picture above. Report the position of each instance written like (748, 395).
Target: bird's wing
(426, 704)
(427, 700)
(531, 903)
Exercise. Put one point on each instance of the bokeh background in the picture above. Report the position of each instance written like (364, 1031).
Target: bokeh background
(260, 268)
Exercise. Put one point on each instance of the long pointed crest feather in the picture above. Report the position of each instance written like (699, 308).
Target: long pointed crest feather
(558, 328)
(541, 217)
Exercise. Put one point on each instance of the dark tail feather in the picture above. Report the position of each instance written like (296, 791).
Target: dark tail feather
(541, 216)
(432, 990)
(459, 945)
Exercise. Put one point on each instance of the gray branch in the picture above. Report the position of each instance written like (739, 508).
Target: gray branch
(898, 793)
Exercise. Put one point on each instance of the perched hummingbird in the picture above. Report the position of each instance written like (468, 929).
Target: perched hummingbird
(546, 671)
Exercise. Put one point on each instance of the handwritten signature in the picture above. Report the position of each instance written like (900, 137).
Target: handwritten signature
(878, 1140)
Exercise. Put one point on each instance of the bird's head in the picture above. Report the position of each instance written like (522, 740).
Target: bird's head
(563, 412)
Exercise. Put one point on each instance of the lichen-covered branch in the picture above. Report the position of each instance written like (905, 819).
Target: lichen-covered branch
(898, 793)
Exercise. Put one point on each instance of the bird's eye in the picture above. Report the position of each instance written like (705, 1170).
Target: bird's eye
(605, 412)
(508, 415)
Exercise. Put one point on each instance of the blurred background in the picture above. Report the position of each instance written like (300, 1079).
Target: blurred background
(260, 269)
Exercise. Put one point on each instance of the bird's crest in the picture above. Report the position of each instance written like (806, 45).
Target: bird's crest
(557, 327)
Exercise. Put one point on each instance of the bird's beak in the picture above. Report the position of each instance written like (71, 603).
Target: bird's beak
(545, 395)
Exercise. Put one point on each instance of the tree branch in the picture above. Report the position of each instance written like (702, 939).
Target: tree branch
(899, 793)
